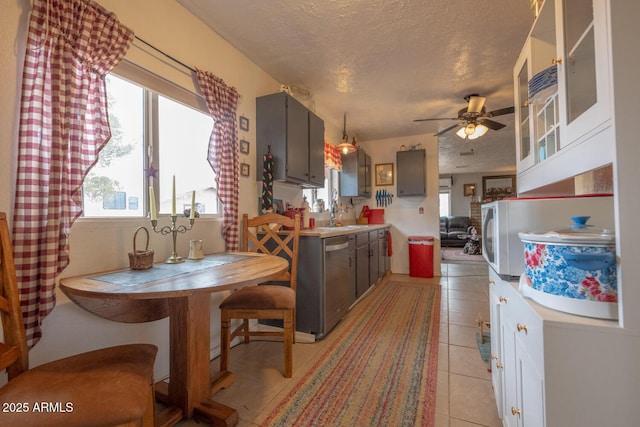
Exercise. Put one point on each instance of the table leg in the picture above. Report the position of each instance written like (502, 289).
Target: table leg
(189, 379)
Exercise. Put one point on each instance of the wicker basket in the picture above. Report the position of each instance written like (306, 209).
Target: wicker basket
(141, 260)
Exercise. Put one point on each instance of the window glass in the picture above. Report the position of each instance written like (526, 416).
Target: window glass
(115, 185)
(445, 207)
(177, 137)
(184, 140)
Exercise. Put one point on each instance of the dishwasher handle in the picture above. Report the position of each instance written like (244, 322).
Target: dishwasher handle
(332, 248)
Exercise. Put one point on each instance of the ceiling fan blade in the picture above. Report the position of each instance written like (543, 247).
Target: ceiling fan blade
(438, 118)
(476, 103)
(445, 130)
(500, 112)
(491, 124)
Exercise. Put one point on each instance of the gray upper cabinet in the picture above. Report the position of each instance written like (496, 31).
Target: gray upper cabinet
(355, 179)
(295, 137)
(411, 173)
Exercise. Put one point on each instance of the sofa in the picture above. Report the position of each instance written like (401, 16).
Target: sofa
(451, 227)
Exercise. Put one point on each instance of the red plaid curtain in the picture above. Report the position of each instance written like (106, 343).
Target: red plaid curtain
(71, 45)
(332, 157)
(223, 154)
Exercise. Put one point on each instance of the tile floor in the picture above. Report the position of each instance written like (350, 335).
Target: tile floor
(464, 393)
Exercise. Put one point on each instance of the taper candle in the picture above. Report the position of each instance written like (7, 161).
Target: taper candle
(173, 198)
(152, 203)
(193, 205)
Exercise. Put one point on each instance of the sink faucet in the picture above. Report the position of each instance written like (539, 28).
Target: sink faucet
(333, 205)
(332, 213)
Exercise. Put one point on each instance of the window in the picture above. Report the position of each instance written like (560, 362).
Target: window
(331, 183)
(152, 136)
(445, 205)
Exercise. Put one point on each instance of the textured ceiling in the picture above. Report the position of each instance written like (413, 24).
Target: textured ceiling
(387, 62)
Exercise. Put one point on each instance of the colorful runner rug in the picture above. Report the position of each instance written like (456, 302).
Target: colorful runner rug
(380, 369)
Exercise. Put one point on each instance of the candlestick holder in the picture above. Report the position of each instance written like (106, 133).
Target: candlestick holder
(174, 230)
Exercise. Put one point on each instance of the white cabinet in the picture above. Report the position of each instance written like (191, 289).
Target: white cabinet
(555, 369)
(517, 358)
(565, 129)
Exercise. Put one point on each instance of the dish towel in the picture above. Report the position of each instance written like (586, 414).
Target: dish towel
(389, 248)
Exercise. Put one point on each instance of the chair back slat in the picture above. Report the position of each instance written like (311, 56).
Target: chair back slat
(14, 354)
(267, 234)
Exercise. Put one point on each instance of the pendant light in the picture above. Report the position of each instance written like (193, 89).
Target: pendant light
(345, 146)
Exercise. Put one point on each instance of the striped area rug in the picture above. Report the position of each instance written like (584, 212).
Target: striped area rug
(380, 369)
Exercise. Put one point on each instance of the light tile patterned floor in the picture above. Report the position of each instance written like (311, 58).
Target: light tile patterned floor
(464, 393)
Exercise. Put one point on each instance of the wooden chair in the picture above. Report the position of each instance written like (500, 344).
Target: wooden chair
(264, 234)
(108, 387)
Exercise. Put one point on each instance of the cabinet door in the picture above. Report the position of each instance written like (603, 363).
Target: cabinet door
(362, 267)
(373, 262)
(510, 399)
(353, 293)
(297, 141)
(316, 150)
(583, 71)
(524, 153)
(497, 364)
(349, 177)
(355, 178)
(530, 390)
(364, 174)
(382, 256)
(411, 173)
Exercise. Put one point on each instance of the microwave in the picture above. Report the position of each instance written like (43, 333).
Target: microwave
(502, 220)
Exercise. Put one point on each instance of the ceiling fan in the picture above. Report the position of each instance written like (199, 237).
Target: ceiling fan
(474, 119)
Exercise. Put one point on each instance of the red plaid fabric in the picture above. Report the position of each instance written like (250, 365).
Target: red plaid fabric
(224, 154)
(71, 45)
(332, 157)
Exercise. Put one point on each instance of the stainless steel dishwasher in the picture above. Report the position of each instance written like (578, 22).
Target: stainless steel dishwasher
(338, 292)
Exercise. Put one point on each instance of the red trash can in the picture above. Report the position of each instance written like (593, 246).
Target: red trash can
(421, 256)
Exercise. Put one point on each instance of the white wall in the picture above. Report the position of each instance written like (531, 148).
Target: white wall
(403, 214)
(103, 245)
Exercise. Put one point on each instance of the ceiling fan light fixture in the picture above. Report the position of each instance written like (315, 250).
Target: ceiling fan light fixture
(472, 131)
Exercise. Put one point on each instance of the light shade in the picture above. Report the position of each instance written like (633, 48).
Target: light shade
(346, 147)
(472, 131)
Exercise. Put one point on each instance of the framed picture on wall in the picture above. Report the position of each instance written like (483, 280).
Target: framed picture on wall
(244, 169)
(244, 123)
(244, 146)
(498, 187)
(384, 174)
(469, 190)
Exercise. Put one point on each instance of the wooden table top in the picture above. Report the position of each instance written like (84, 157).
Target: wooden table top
(217, 272)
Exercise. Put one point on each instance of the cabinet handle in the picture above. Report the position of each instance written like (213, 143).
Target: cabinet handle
(491, 282)
(555, 61)
(494, 357)
(522, 328)
(526, 103)
(499, 365)
(503, 299)
(515, 411)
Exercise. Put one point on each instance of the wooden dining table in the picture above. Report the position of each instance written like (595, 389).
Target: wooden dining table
(180, 291)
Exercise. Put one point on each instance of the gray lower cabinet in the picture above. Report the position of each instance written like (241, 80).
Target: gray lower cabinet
(362, 263)
(383, 253)
(411, 173)
(373, 257)
(333, 273)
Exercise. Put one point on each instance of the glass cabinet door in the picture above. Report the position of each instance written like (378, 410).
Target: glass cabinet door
(523, 117)
(583, 68)
(579, 47)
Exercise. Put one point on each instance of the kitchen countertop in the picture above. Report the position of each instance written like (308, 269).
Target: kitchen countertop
(324, 232)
